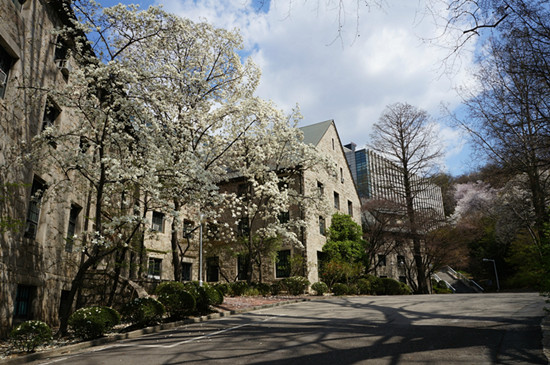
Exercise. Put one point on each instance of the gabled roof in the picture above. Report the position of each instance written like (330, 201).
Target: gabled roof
(314, 132)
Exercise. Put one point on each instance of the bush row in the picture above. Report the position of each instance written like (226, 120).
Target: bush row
(183, 299)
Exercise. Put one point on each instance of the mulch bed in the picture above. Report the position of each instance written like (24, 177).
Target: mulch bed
(243, 303)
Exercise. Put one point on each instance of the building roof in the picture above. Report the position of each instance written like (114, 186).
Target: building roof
(314, 132)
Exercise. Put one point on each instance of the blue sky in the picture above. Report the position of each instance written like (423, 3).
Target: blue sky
(382, 57)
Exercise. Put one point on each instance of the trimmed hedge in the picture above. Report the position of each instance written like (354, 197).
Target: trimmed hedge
(93, 322)
(177, 301)
(295, 285)
(143, 311)
(319, 288)
(29, 335)
(340, 289)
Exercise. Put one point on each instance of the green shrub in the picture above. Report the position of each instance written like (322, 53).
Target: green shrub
(275, 288)
(238, 288)
(93, 322)
(405, 289)
(143, 311)
(252, 292)
(364, 286)
(340, 289)
(30, 334)
(295, 285)
(391, 286)
(353, 289)
(177, 301)
(377, 287)
(223, 288)
(205, 295)
(319, 288)
(215, 297)
(263, 289)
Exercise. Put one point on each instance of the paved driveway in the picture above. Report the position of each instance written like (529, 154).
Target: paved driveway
(430, 329)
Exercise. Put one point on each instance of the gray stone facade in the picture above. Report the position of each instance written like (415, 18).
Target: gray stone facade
(36, 260)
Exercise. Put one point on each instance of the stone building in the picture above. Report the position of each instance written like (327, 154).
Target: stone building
(36, 257)
(224, 261)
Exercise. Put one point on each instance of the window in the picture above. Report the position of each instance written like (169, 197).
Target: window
(243, 229)
(158, 222)
(212, 269)
(282, 265)
(186, 271)
(350, 208)
(322, 225)
(23, 301)
(341, 175)
(18, 3)
(320, 188)
(403, 279)
(153, 268)
(242, 190)
(63, 301)
(51, 112)
(33, 213)
(243, 264)
(336, 200)
(382, 260)
(284, 217)
(71, 230)
(6, 61)
(333, 143)
(400, 260)
(188, 228)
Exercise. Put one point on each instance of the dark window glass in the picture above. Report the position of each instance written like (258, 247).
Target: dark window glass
(284, 217)
(154, 268)
(213, 269)
(350, 208)
(186, 271)
(243, 229)
(382, 260)
(242, 266)
(6, 61)
(23, 301)
(282, 267)
(158, 222)
(336, 200)
(71, 230)
(51, 112)
(33, 212)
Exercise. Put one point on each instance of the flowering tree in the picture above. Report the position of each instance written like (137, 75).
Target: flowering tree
(162, 110)
(271, 205)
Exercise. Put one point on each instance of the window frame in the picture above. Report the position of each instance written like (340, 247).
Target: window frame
(24, 297)
(33, 209)
(6, 64)
(74, 213)
(283, 269)
(154, 268)
(157, 226)
(336, 201)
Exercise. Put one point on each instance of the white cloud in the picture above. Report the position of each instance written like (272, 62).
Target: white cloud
(378, 60)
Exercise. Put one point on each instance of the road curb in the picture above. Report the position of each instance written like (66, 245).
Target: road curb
(545, 327)
(65, 350)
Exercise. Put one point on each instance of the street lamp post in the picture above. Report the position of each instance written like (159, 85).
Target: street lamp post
(200, 250)
(496, 274)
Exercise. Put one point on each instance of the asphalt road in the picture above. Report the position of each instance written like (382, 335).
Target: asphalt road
(431, 329)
